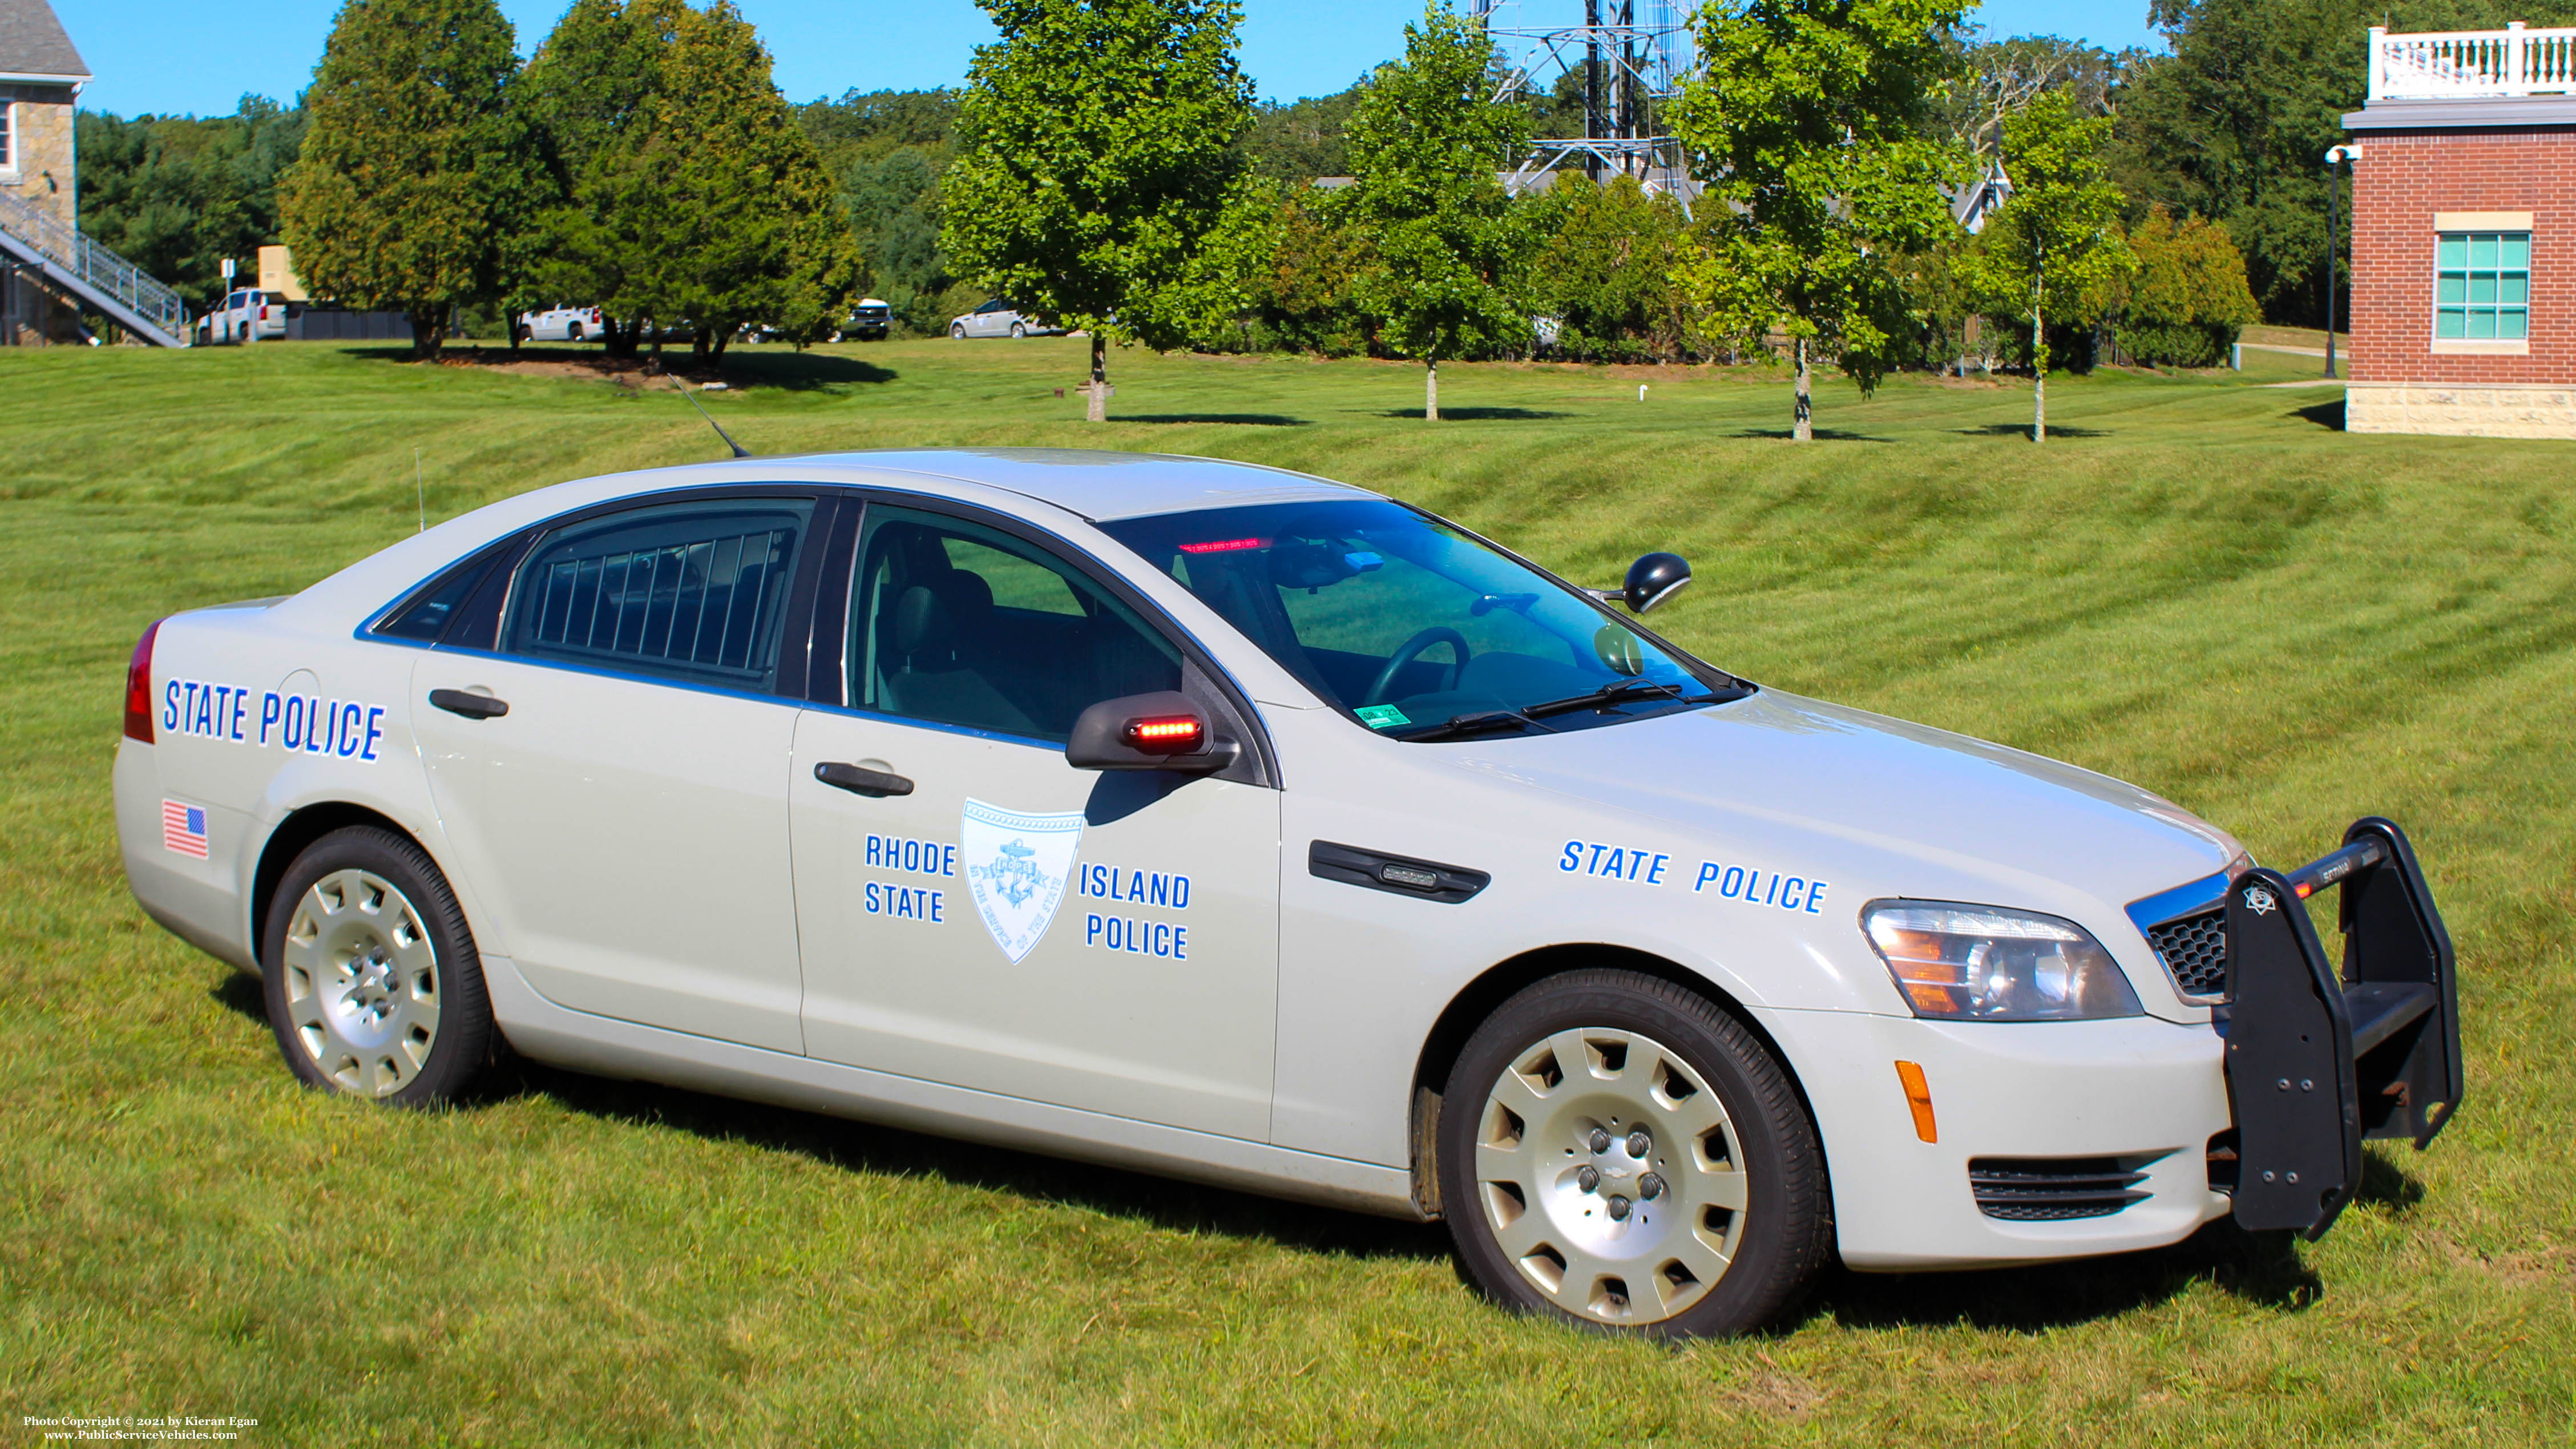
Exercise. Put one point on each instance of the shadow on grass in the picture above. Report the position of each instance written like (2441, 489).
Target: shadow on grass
(239, 991)
(1822, 435)
(1472, 415)
(2022, 431)
(1255, 420)
(2260, 1268)
(2385, 1184)
(779, 367)
(862, 1147)
(2327, 415)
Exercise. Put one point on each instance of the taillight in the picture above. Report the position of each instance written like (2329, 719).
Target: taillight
(263, 311)
(138, 687)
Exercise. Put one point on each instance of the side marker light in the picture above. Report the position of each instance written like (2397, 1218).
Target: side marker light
(1918, 1096)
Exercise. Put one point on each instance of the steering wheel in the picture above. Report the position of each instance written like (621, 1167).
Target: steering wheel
(1411, 650)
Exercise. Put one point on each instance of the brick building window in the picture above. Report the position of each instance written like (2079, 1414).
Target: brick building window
(2482, 286)
(8, 135)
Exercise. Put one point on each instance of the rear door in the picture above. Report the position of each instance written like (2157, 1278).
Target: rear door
(1100, 940)
(613, 774)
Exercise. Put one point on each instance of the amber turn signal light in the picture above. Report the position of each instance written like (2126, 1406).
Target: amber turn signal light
(1918, 1096)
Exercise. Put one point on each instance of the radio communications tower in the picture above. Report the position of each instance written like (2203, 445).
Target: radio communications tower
(1630, 56)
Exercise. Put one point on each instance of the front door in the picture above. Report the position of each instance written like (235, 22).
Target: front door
(624, 823)
(1099, 940)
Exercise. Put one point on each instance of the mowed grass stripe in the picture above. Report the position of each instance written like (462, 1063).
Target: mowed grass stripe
(2197, 586)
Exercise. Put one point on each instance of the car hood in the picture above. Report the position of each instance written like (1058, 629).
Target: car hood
(1923, 811)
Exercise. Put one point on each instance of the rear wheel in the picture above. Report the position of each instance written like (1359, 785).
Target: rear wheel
(1617, 1151)
(1019, 329)
(573, 333)
(374, 989)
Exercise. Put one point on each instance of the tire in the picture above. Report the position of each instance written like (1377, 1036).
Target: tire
(1018, 331)
(1724, 1241)
(956, 331)
(573, 333)
(373, 985)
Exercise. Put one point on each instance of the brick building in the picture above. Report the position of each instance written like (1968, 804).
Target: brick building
(41, 76)
(2464, 236)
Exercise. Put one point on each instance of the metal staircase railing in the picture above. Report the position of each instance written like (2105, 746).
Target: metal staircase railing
(116, 286)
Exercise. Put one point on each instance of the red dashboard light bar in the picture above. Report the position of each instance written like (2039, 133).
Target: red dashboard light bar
(1224, 545)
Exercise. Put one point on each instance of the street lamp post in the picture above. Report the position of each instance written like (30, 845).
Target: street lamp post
(2335, 157)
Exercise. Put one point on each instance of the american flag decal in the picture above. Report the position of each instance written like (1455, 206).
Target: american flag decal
(183, 828)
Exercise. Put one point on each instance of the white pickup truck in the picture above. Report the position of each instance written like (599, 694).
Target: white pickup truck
(561, 323)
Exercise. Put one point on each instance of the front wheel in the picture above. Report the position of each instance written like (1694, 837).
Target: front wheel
(373, 986)
(956, 331)
(1615, 1150)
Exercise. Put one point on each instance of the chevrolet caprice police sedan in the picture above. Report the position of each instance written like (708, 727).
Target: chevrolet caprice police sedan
(1237, 825)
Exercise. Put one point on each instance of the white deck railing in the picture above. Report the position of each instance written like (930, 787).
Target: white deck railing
(2462, 64)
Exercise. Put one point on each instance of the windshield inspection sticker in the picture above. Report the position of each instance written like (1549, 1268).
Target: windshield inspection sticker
(1380, 716)
(1016, 868)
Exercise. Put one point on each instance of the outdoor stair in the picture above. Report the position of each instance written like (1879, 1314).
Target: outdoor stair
(36, 239)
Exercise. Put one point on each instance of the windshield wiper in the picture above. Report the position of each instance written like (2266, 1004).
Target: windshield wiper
(1607, 696)
(1478, 723)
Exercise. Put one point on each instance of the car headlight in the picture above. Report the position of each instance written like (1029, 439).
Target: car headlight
(1985, 963)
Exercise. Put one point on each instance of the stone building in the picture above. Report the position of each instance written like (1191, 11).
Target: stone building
(41, 76)
(2464, 235)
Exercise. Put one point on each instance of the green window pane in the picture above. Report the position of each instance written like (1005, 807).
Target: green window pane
(2517, 251)
(2454, 253)
(2482, 253)
(2450, 322)
(2481, 325)
(2513, 323)
(2513, 291)
(2482, 290)
(2451, 291)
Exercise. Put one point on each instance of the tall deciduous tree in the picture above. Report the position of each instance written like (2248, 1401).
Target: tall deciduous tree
(1095, 158)
(2057, 244)
(1811, 119)
(1424, 145)
(691, 192)
(413, 166)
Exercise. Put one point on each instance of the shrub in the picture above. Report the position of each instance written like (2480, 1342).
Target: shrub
(2189, 298)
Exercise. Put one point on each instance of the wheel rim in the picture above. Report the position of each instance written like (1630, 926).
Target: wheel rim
(361, 983)
(1608, 1233)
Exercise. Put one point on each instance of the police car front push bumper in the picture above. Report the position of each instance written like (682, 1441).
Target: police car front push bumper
(2319, 1061)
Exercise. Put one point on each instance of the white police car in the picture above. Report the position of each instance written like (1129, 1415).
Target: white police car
(1233, 824)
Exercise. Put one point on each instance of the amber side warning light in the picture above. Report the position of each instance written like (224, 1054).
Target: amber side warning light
(1918, 1096)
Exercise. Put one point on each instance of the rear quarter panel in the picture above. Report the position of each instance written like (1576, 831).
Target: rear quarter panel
(257, 718)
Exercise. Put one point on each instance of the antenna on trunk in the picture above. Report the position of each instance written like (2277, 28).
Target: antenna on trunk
(739, 450)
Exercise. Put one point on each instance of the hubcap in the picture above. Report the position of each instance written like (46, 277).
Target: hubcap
(361, 983)
(1610, 1175)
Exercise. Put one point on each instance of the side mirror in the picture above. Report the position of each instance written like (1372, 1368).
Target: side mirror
(1162, 731)
(1653, 580)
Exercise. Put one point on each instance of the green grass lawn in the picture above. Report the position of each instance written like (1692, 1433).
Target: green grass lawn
(2199, 583)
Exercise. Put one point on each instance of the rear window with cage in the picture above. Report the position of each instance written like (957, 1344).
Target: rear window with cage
(692, 591)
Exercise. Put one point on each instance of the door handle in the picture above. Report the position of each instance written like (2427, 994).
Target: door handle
(874, 784)
(472, 706)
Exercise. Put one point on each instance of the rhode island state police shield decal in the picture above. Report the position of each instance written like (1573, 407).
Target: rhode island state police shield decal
(1016, 866)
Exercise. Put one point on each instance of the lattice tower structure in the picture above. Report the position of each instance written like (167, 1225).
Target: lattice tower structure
(1630, 56)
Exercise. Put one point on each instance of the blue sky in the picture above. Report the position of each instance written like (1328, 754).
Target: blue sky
(168, 56)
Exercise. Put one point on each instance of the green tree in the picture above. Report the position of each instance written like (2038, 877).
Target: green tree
(1608, 270)
(888, 149)
(692, 193)
(2056, 246)
(2234, 122)
(1095, 158)
(1301, 140)
(176, 195)
(413, 166)
(2188, 299)
(1424, 144)
(1812, 117)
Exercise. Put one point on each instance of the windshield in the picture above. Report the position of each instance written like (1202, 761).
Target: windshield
(1415, 628)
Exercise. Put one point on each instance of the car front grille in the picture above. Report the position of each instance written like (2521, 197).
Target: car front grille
(2194, 949)
(2047, 1189)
